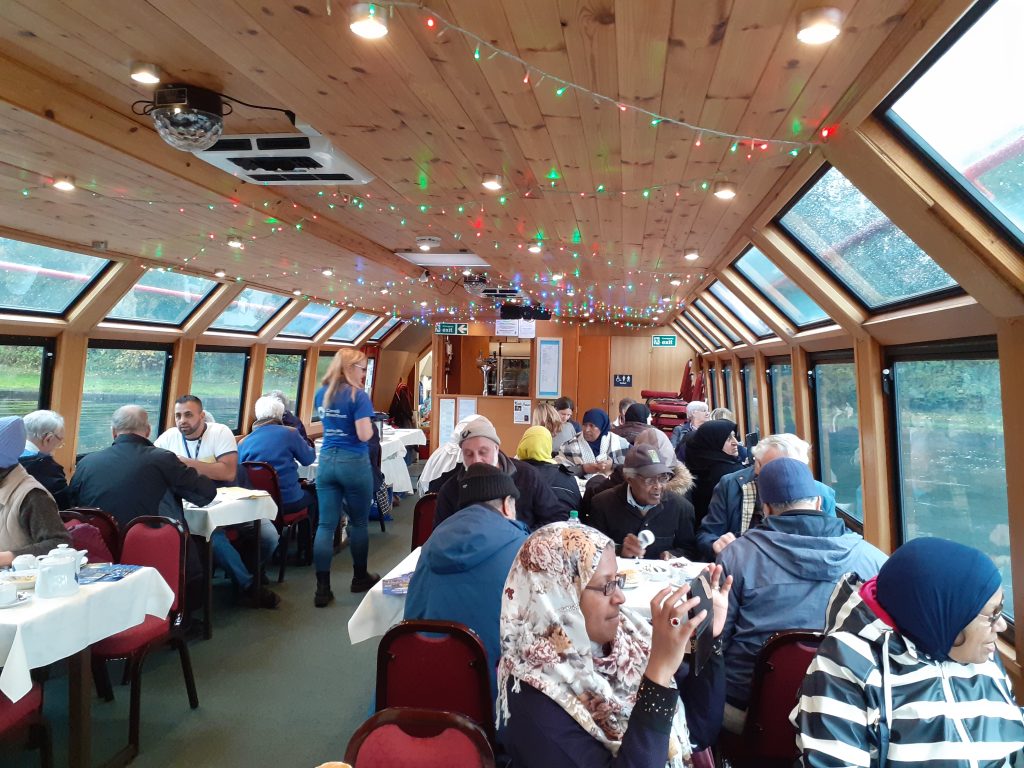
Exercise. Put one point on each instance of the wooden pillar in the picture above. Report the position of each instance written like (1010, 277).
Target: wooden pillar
(763, 395)
(183, 363)
(739, 405)
(66, 395)
(310, 384)
(802, 402)
(253, 386)
(879, 506)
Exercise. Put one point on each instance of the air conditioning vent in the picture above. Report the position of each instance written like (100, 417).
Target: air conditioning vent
(292, 159)
(274, 163)
(283, 142)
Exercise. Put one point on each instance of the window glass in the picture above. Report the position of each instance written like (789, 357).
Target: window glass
(712, 387)
(741, 310)
(723, 329)
(250, 311)
(952, 480)
(727, 385)
(970, 80)
(116, 377)
(835, 403)
(310, 320)
(381, 332)
(353, 327)
(782, 292)
(698, 321)
(322, 364)
(371, 363)
(690, 337)
(781, 378)
(218, 379)
(21, 378)
(856, 242)
(284, 371)
(750, 398)
(36, 278)
(160, 296)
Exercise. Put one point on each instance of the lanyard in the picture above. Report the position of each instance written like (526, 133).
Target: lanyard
(199, 443)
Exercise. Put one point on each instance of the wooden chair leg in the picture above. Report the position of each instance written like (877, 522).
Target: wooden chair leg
(101, 676)
(135, 702)
(41, 737)
(186, 670)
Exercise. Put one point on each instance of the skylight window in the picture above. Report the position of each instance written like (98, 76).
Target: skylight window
(785, 295)
(855, 241)
(741, 310)
(704, 328)
(310, 321)
(250, 311)
(702, 307)
(162, 297)
(37, 278)
(353, 327)
(385, 329)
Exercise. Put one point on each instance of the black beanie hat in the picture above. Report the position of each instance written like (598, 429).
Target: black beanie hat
(482, 482)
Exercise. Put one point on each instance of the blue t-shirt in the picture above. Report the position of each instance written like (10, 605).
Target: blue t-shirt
(340, 415)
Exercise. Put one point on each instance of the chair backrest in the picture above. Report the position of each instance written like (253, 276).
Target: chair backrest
(263, 477)
(87, 536)
(778, 672)
(402, 737)
(158, 542)
(423, 519)
(435, 665)
(104, 521)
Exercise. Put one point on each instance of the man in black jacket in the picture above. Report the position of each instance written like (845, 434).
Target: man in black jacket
(44, 433)
(536, 505)
(641, 503)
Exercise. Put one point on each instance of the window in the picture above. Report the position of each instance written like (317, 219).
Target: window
(969, 79)
(703, 328)
(37, 278)
(838, 443)
(249, 312)
(162, 297)
(723, 329)
(865, 251)
(689, 336)
(218, 379)
(741, 310)
(371, 363)
(780, 379)
(727, 385)
(283, 370)
(385, 329)
(772, 283)
(322, 364)
(353, 327)
(25, 375)
(310, 321)
(712, 387)
(116, 376)
(747, 373)
(952, 467)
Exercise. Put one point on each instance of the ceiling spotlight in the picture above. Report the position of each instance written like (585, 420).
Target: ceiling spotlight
(724, 190)
(384, 291)
(556, 277)
(676, 282)
(234, 241)
(187, 117)
(327, 272)
(147, 74)
(818, 26)
(368, 21)
(423, 303)
(64, 183)
(467, 272)
(492, 181)
(296, 293)
(426, 242)
(534, 248)
(691, 254)
(425, 276)
(219, 273)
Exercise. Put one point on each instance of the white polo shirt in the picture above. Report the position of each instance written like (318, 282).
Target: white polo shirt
(217, 440)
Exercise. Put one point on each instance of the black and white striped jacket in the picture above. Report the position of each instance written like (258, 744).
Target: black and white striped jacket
(940, 714)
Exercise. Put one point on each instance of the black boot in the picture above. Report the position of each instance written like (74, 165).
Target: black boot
(323, 589)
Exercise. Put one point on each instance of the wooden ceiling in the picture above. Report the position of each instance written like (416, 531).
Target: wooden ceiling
(428, 118)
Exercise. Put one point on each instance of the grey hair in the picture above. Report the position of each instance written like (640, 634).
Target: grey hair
(130, 418)
(269, 407)
(786, 443)
(280, 396)
(694, 406)
(39, 424)
(809, 503)
(722, 413)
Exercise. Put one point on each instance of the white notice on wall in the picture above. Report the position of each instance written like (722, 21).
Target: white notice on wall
(521, 412)
(506, 327)
(467, 407)
(527, 329)
(446, 419)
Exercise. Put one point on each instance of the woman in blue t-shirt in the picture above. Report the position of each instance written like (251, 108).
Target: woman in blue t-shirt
(344, 477)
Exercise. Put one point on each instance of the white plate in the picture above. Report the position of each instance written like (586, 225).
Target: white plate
(23, 579)
(23, 597)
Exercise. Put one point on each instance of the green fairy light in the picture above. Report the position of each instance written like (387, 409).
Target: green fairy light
(704, 185)
(655, 121)
(553, 173)
(646, 193)
(502, 199)
(402, 223)
(270, 220)
(734, 147)
(424, 208)
(476, 53)
(299, 226)
(462, 209)
(794, 152)
(576, 236)
(320, 193)
(210, 206)
(24, 193)
(561, 91)
(600, 187)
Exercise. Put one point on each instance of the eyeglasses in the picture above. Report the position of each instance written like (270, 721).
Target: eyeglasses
(619, 582)
(661, 479)
(995, 617)
(58, 438)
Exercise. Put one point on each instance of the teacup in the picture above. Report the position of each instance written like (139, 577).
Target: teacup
(25, 563)
(8, 592)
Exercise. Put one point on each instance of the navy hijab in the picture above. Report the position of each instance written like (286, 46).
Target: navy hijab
(599, 419)
(638, 412)
(934, 588)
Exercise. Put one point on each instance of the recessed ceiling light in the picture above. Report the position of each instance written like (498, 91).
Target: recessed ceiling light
(219, 273)
(147, 74)
(556, 277)
(724, 190)
(492, 181)
(64, 183)
(384, 291)
(691, 254)
(423, 303)
(676, 282)
(534, 248)
(296, 293)
(327, 272)
(818, 26)
(467, 272)
(426, 242)
(234, 241)
(368, 21)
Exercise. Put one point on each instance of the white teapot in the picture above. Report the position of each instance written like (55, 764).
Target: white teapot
(79, 554)
(57, 575)
(25, 563)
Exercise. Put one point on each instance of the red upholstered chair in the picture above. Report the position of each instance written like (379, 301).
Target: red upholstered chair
(88, 537)
(768, 738)
(423, 519)
(263, 477)
(401, 737)
(105, 522)
(445, 669)
(668, 409)
(22, 723)
(158, 542)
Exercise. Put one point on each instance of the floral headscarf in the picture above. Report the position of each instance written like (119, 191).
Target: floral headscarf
(544, 639)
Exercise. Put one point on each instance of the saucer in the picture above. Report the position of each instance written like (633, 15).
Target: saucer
(23, 597)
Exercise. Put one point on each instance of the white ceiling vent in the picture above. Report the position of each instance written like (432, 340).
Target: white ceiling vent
(478, 285)
(284, 159)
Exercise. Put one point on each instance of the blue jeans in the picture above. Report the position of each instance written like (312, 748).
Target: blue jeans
(227, 557)
(343, 479)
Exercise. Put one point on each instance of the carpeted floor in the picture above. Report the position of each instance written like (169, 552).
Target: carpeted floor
(276, 688)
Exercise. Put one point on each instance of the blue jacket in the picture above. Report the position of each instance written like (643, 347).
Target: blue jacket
(461, 574)
(725, 512)
(280, 447)
(783, 574)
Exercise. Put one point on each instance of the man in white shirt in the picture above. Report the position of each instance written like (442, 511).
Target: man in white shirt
(210, 449)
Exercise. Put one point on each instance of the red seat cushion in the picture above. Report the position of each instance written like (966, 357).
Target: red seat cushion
(657, 408)
(647, 394)
(132, 639)
(390, 747)
(294, 517)
(16, 714)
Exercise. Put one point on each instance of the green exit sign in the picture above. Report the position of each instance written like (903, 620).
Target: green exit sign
(663, 341)
(451, 329)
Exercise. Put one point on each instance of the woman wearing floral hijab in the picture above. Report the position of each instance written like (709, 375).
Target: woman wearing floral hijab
(584, 682)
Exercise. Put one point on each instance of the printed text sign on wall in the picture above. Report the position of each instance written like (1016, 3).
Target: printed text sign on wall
(623, 380)
(451, 329)
(663, 341)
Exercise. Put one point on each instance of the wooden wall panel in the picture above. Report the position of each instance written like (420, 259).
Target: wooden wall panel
(594, 377)
(872, 420)
(66, 396)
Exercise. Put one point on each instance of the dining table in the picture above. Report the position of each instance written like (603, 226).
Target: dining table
(393, 446)
(41, 631)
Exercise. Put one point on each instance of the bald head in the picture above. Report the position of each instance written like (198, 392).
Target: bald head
(130, 419)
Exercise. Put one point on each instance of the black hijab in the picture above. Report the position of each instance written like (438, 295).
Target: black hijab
(708, 462)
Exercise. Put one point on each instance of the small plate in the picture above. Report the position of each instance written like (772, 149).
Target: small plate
(23, 579)
(23, 597)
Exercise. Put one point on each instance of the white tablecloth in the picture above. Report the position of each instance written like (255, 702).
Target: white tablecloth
(43, 631)
(392, 458)
(378, 612)
(223, 510)
(654, 576)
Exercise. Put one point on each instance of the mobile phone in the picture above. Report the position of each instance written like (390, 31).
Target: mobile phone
(701, 641)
